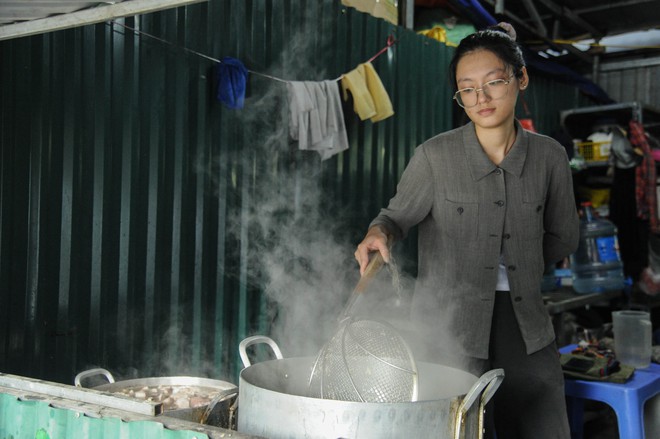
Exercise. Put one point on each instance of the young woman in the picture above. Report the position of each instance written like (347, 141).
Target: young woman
(493, 204)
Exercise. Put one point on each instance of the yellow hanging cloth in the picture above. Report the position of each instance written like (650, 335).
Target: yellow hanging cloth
(438, 33)
(370, 99)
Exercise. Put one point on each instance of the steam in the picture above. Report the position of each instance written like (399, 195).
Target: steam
(299, 251)
(298, 240)
(299, 245)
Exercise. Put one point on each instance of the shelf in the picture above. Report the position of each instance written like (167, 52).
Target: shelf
(579, 122)
(597, 164)
(565, 299)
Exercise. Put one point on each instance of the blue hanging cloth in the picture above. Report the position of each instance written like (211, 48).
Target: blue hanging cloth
(231, 76)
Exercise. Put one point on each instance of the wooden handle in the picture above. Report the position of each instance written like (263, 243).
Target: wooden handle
(374, 266)
(372, 269)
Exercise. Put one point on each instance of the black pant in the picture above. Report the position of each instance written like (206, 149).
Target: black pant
(530, 403)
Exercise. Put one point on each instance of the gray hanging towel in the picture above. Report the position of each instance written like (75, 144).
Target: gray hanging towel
(316, 119)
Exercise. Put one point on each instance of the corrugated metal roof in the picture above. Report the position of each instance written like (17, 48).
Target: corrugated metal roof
(560, 25)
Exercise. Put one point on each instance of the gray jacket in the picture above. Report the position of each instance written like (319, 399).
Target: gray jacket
(469, 211)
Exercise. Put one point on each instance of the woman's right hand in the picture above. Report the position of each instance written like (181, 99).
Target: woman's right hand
(375, 240)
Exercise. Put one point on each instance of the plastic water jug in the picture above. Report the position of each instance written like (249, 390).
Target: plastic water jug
(549, 281)
(632, 337)
(596, 265)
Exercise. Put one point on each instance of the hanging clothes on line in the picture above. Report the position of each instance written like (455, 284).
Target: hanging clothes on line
(370, 99)
(231, 78)
(316, 119)
(316, 116)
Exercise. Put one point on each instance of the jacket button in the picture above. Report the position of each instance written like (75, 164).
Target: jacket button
(459, 210)
(518, 299)
(506, 236)
(539, 208)
(512, 268)
(500, 203)
(498, 171)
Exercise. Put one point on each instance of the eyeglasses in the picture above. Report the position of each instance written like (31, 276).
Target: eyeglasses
(495, 89)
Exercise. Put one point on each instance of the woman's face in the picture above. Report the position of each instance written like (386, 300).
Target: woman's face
(478, 68)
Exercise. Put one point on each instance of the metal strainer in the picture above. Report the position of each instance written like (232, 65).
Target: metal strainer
(366, 360)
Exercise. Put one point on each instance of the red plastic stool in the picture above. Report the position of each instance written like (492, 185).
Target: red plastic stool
(626, 399)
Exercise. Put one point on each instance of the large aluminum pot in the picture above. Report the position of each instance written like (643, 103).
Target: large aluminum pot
(214, 397)
(272, 403)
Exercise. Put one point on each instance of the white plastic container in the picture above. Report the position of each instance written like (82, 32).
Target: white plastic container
(632, 337)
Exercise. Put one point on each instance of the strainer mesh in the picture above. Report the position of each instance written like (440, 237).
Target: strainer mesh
(365, 361)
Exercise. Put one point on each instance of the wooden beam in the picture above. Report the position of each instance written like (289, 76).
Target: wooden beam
(85, 17)
(531, 10)
(563, 11)
(520, 22)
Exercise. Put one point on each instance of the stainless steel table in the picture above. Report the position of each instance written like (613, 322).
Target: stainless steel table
(565, 298)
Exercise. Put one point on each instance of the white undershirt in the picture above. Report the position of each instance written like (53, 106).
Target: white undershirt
(502, 278)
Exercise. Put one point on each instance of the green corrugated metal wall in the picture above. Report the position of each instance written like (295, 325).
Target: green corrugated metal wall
(33, 419)
(141, 222)
(545, 98)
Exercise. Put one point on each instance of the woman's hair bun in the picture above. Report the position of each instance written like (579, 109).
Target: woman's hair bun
(508, 28)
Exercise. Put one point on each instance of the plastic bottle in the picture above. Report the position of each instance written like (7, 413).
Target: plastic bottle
(549, 281)
(596, 265)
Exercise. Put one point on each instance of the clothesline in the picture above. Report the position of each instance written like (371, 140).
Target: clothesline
(316, 119)
(390, 43)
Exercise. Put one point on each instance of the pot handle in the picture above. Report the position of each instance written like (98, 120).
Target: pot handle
(485, 387)
(256, 339)
(91, 373)
(220, 397)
